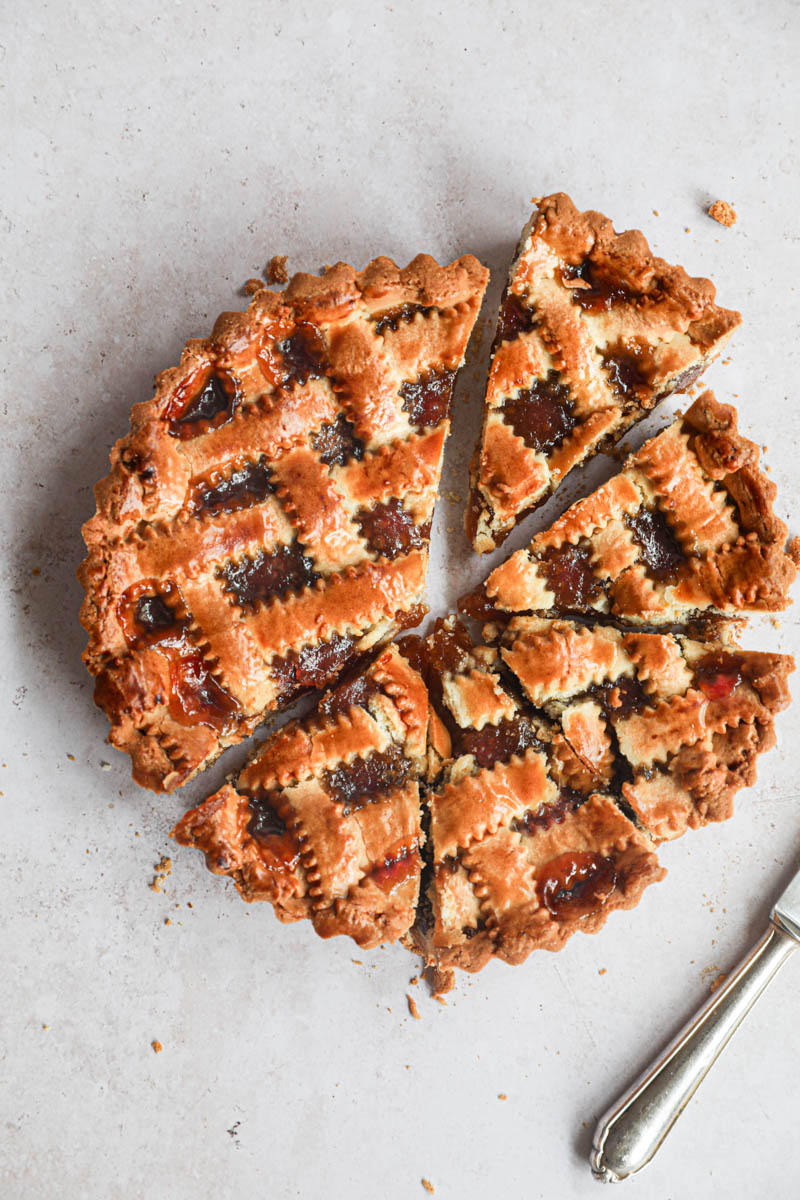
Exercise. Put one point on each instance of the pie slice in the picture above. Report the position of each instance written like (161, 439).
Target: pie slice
(670, 725)
(593, 332)
(324, 822)
(685, 531)
(524, 847)
(266, 520)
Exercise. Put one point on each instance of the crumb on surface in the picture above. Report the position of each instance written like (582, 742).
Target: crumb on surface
(357, 961)
(502, 1096)
(157, 1047)
(602, 970)
(715, 983)
(412, 1008)
(723, 213)
(656, 212)
(426, 1183)
(413, 981)
(275, 271)
(440, 999)
(163, 868)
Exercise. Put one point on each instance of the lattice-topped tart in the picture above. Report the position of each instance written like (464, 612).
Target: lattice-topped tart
(593, 332)
(670, 725)
(687, 529)
(266, 520)
(324, 822)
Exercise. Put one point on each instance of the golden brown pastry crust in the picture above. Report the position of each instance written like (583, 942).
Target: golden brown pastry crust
(303, 827)
(594, 331)
(686, 529)
(266, 519)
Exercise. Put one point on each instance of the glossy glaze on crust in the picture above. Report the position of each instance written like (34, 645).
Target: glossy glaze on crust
(593, 332)
(686, 529)
(288, 829)
(279, 488)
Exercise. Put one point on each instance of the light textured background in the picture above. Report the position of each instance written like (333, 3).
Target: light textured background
(157, 156)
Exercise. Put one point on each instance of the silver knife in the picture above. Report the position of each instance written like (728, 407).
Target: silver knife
(629, 1134)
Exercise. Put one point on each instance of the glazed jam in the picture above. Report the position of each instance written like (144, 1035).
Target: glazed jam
(601, 294)
(499, 743)
(476, 604)
(279, 849)
(570, 577)
(718, 674)
(402, 864)
(301, 671)
(427, 401)
(630, 368)
(265, 820)
(244, 487)
(365, 780)
(393, 317)
(389, 530)
(207, 409)
(660, 551)
(542, 415)
(448, 649)
(303, 355)
(576, 884)
(355, 694)
(515, 318)
(336, 443)
(254, 580)
(620, 699)
(547, 815)
(152, 614)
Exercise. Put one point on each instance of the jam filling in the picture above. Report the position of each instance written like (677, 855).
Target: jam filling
(621, 698)
(303, 354)
(363, 781)
(576, 884)
(355, 694)
(570, 577)
(394, 316)
(301, 671)
(402, 864)
(427, 401)
(547, 815)
(515, 318)
(718, 674)
(660, 550)
(476, 604)
(389, 530)
(542, 415)
(278, 847)
(601, 294)
(154, 615)
(243, 488)
(254, 580)
(209, 408)
(499, 743)
(336, 443)
(630, 369)
(447, 650)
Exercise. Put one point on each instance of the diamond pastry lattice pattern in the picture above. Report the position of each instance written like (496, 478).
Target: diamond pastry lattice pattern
(266, 520)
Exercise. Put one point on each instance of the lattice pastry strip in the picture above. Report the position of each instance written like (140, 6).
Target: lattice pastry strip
(685, 530)
(267, 519)
(593, 332)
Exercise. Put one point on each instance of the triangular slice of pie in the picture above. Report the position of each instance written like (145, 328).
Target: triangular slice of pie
(684, 531)
(266, 520)
(670, 725)
(593, 332)
(525, 845)
(324, 821)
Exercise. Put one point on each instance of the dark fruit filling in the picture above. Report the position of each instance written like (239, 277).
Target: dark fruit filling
(547, 815)
(718, 674)
(313, 667)
(515, 318)
(660, 550)
(211, 407)
(404, 863)
(304, 355)
(620, 699)
(243, 488)
(153, 614)
(265, 820)
(393, 316)
(197, 698)
(365, 780)
(601, 294)
(390, 531)
(498, 743)
(570, 577)
(336, 443)
(355, 694)
(476, 604)
(630, 369)
(448, 650)
(427, 401)
(576, 884)
(542, 415)
(253, 580)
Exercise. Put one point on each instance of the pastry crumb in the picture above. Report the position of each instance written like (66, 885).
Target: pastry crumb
(45, 1027)
(715, 983)
(688, 229)
(157, 1047)
(426, 1183)
(602, 970)
(413, 981)
(357, 961)
(502, 1096)
(163, 868)
(412, 1008)
(440, 1000)
(275, 271)
(722, 212)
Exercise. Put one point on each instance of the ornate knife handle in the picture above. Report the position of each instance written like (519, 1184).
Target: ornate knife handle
(629, 1134)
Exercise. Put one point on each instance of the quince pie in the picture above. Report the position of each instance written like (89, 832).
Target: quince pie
(266, 521)
(593, 332)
